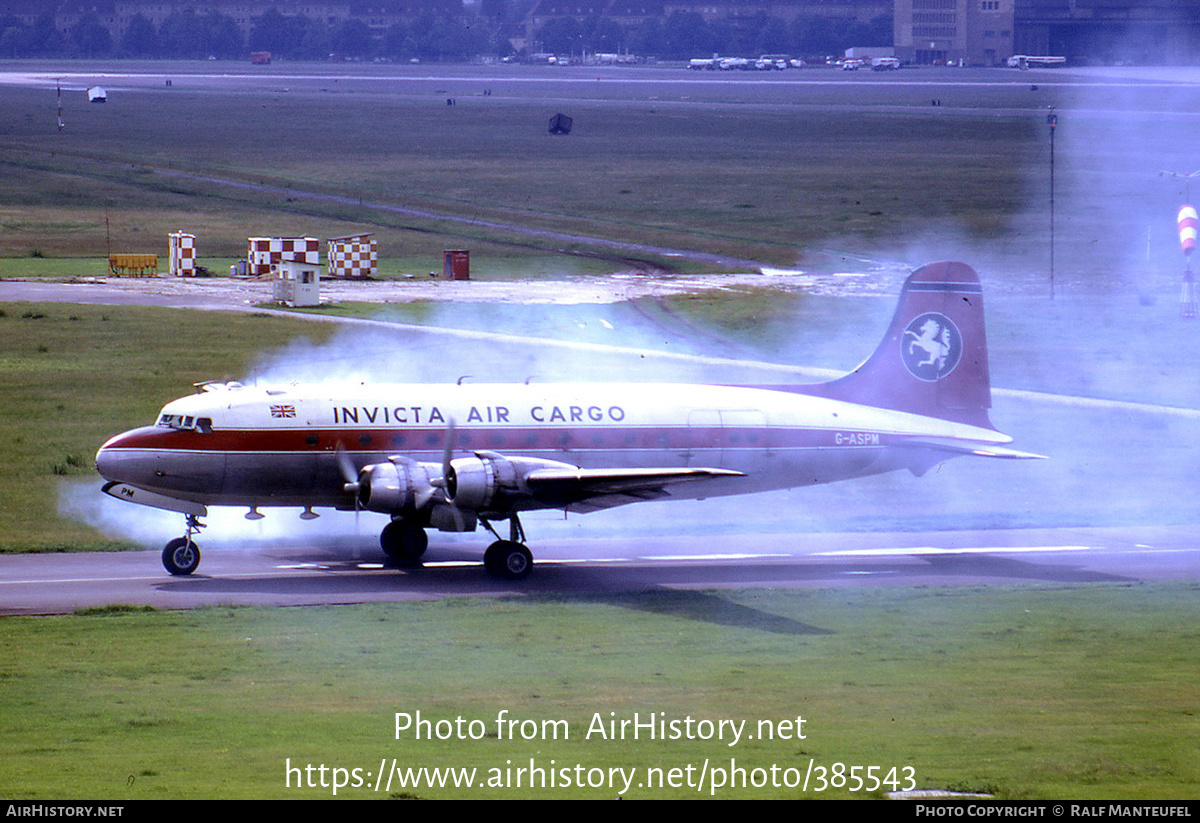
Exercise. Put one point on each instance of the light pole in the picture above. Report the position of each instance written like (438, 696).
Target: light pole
(1189, 224)
(1052, 122)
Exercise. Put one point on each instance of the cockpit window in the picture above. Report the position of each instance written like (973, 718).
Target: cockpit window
(186, 422)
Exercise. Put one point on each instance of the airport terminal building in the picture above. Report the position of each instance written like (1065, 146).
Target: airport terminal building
(988, 32)
(953, 31)
(970, 32)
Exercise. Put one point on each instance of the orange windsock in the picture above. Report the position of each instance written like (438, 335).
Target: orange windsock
(1188, 225)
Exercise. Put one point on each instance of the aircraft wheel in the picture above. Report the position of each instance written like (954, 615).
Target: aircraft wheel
(403, 543)
(508, 560)
(181, 556)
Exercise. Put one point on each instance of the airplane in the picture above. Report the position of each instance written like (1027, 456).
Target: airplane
(451, 457)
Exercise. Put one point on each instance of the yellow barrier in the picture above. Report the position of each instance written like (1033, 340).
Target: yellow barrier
(135, 265)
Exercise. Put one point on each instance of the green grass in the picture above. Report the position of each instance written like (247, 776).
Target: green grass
(1039, 692)
(705, 168)
(500, 265)
(762, 184)
(53, 268)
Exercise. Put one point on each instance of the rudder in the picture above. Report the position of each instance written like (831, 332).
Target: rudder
(933, 360)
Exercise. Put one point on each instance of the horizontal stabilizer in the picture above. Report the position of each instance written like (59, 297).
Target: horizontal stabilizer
(961, 447)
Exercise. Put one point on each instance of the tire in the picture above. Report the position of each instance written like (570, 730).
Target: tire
(403, 543)
(508, 560)
(181, 556)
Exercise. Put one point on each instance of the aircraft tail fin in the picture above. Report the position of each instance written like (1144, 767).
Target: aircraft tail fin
(933, 360)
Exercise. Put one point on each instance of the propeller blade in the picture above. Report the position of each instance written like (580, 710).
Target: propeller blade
(348, 470)
(448, 448)
(351, 484)
(447, 456)
(447, 471)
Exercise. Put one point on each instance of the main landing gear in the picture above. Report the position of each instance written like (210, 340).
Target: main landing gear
(508, 559)
(404, 543)
(182, 555)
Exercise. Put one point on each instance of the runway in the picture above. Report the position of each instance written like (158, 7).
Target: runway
(299, 574)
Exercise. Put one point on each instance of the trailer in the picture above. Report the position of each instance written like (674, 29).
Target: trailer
(133, 265)
(1026, 61)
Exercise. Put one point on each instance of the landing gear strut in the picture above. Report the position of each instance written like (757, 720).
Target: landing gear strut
(182, 555)
(508, 559)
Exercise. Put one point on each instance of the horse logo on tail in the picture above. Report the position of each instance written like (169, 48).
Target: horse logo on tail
(931, 346)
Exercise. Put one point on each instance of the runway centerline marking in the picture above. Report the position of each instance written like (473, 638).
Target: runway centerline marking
(919, 550)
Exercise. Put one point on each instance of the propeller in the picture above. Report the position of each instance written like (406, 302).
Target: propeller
(349, 472)
(392, 486)
(351, 483)
(444, 482)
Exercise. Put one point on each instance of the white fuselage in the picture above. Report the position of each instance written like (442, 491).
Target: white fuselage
(261, 447)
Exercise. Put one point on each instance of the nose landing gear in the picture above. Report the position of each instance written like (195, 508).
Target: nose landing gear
(182, 555)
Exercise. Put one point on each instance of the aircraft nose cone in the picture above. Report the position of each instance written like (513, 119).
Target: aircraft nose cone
(104, 460)
(161, 460)
(114, 459)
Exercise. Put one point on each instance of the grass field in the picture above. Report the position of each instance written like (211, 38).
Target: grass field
(759, 184)
(1081, 693)
(770, 172)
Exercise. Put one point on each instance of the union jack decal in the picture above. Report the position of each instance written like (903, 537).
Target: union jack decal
(283, 411)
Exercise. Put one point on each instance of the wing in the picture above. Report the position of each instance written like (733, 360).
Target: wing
(495, 484)
(589, 490)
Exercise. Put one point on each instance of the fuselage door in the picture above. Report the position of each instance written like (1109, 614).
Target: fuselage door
(743, 436)
(725, 436)
(704, 428)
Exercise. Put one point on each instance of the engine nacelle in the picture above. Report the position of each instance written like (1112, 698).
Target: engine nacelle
(487, 482)
(392, 488)
(472, 482)
(490, 481)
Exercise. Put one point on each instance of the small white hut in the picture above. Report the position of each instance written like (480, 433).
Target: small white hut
(297, 283)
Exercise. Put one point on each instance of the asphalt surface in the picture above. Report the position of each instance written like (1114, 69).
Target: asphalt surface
(300, 572)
